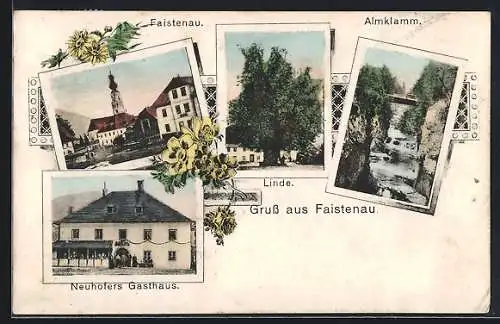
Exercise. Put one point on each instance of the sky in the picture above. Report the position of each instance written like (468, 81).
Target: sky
(407, 68)
(305, 48)
(139, 82)
(182, 200)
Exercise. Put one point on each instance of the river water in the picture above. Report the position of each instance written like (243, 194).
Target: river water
(396, 177)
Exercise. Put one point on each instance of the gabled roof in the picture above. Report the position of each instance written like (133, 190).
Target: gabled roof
(147, 111)
(125, 203)
(108, 123)
(176, 82)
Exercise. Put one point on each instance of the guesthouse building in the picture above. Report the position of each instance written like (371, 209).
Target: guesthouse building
(127, 229)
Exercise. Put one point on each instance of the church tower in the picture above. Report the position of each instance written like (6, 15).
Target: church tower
(116, 98)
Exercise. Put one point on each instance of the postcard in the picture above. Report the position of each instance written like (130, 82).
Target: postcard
(250, 163)
(273, 97)
(396, 127)
(120, 115)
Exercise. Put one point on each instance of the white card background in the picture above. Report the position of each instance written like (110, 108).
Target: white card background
(393, 261)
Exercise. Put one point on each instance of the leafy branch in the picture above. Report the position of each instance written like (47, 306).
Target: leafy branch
(97, 46)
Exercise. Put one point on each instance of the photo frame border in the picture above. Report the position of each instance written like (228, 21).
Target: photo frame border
(50, 102)
(223, 109)
(362, 45)
(49, 279)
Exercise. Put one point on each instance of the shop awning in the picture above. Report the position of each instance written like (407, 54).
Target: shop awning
(82, 245)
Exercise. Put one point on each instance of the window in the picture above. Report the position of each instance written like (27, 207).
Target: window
(122, 234)
(98, 234)
(174, 94)
(178, 109)
(75, 234)
(252, 158)
(186, 107)
(164, 112)
(181, 124)
(190, 123)
(183, 91)
(110, 209)
(172, 235)
(147, 255)
(139, 210)
(234, 149)
(148, 234)
(167, 128)
(172, 256)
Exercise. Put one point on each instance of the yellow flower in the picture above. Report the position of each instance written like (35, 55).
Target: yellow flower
(225, 167)
(77, 43)
(95, 52)
(220, 222)
(204, 129)
(180, 154)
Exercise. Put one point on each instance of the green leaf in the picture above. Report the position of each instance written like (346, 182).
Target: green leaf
(134, 46)
(119, 40)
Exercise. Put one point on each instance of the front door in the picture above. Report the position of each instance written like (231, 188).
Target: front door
(122, 258)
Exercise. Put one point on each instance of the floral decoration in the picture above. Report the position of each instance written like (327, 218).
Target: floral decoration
(97, 46)
(193, 154)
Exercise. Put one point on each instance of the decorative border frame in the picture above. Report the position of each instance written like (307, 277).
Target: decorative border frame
(466, 126)
(469, 107)
(362, 45)
(39, 127)
(209, 83)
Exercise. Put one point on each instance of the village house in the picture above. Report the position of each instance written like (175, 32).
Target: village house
(244, 155)
(146, 125)
(123, 226)
(176, 106)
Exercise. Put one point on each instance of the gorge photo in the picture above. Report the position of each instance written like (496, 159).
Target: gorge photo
(395, 136)
(273, 96)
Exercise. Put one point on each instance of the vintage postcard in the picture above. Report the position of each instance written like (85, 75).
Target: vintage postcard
(250, 162)
(396, 128)
(274, 97)
(120, 226)
(118, 116)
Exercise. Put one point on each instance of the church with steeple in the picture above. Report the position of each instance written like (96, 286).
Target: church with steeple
(107, 129)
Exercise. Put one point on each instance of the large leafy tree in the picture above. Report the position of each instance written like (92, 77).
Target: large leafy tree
(278, 108)
(435, 83)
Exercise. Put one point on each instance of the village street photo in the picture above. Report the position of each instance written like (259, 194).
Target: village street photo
(397, 124)
(119, 116)
(106, 223)
(274, 84)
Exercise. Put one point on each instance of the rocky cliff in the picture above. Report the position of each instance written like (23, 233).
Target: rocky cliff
(354, 165)
(432, 131)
